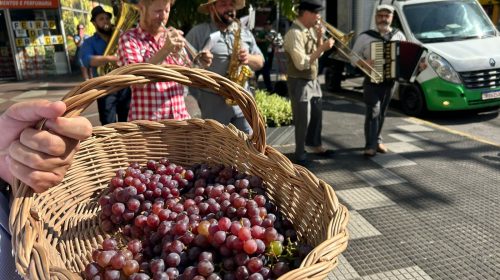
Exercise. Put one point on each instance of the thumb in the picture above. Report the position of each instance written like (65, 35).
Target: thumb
(25, 114)
(33, 111)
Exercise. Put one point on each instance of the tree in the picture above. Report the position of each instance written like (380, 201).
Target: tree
(184, 14)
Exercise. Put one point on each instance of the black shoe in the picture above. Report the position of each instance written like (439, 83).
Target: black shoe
(321, 151)
(303, 162)
(326, 153)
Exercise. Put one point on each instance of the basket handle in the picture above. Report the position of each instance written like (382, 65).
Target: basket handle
(78, 99)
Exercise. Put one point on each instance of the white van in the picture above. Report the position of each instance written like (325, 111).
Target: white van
(463, 58)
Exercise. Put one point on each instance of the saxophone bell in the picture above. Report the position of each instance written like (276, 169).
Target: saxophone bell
(237, 72)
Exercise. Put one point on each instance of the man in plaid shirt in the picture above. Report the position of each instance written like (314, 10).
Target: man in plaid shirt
(153, 43)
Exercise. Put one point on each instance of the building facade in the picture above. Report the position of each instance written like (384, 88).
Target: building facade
(36, 37)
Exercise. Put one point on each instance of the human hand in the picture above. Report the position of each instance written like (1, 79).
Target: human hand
(174, 40)
(39, 158)
(112, 58)
(243, 56)
(328, 44)
(205, 58)
(320, 30)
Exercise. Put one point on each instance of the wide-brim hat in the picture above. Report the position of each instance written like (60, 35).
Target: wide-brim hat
(205, 7)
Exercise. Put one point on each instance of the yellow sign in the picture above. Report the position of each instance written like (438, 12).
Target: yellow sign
(32, 33)
(19, 42)
(52, 24)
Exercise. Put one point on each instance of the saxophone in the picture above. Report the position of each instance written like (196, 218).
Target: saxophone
(237, 72)
(129, 14)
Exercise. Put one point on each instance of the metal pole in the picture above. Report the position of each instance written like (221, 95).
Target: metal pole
(63, 32)
(10, 31)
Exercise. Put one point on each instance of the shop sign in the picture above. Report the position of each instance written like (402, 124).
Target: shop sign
(29, 4)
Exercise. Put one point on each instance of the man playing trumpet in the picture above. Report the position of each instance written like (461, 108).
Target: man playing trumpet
(303, 46)
(154, 43)
(218, 37)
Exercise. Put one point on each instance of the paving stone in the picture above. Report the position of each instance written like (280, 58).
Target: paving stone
(30, 94)
(364, 198)
(359, 227)
(343, 271)
(402, 147)
(415, 128)
(466, 267)
(375, 255)
(392, 160)
(407, 273)
(407, 137)
(379, 177)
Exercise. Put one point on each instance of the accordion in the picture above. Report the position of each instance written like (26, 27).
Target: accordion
(395, 60)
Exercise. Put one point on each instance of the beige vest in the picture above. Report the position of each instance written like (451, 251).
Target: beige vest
(310, 46)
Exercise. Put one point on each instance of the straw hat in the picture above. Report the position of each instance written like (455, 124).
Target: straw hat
(204, 8)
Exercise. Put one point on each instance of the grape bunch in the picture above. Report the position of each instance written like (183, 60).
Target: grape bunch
(205, 222)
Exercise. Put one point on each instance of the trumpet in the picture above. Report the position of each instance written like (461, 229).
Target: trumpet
(182, 56)
(341, 43)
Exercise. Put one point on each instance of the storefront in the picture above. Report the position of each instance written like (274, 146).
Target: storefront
(75, 13)
(36, 37)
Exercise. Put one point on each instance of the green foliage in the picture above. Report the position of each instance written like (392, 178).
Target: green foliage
(184, 14)
(277, 110)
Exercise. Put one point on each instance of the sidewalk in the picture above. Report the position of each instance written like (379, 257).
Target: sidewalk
(429, 209)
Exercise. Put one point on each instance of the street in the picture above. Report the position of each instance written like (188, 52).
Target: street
(426, 210)
(482, 125)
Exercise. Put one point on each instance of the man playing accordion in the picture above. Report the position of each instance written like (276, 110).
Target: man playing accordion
(377, 96)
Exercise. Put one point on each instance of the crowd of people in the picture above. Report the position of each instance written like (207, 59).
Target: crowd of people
(41, 158)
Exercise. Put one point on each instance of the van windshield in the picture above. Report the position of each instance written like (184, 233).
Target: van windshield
(442, 21)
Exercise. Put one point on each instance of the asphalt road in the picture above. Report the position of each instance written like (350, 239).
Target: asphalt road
(483, 125)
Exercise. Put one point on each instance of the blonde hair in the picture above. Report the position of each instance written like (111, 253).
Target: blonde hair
(148, 3)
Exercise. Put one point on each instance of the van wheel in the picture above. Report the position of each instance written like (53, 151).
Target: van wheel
(413, 101)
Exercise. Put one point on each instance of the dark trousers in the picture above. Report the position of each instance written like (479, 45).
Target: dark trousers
(266, 71)
(377, 98)
(114, 104)
(307, 113)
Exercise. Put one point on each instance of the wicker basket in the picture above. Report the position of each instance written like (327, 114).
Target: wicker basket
(54, 233)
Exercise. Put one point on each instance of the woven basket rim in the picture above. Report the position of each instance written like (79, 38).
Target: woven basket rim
(23, 219)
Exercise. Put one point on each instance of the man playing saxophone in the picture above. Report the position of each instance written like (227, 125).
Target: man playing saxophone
(154, 43)
(92, 56)
(303, 46)
(219, 37)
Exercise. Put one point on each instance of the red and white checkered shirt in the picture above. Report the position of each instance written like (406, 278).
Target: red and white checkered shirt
(153, 101)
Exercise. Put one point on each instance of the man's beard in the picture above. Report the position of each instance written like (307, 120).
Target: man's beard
(227, 18)
(384, 26)
(106, 31)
